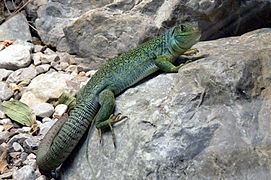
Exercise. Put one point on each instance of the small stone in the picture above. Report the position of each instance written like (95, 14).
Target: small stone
(61, 66)
(43, 109)
(31, 144)
(2, 128)
(6, 175)
(4, 136)
(90, 73)
(25, 129)
(17, 147)
(25, 173)
(24, 74)
(15, 56)
(49, 51)
(42, 68)
(5, 121)
(4, 74)
(37, 58)
(31, 160)
(5, 91)
(38, 48)
(72, 68)
(23, 156)
(15, 155)
(2, 115)
(42, 177)
(60, 109)
(48, 58)
(45, 127)
(46, 119)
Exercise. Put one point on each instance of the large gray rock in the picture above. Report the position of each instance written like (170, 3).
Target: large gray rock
(16, 28)
(209, 121)
(15, 56)
(116, 26)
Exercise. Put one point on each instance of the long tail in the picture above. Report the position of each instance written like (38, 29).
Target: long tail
(62, 138)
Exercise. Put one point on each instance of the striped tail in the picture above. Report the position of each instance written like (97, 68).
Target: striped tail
(64, 135)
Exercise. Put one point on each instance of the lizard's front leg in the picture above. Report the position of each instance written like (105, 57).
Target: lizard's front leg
(165, 65)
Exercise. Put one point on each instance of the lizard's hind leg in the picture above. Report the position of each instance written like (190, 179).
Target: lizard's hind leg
(104, 118)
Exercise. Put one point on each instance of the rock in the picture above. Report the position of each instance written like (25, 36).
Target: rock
(38, 48)
(44, 128)
(43, 68)
(48, 58)
(24, 74)
(61, 66)
(2, 128)
(16, 28)
(43, 109)
(25, 173)
(113, 32)
(4, 74)
(15, 56)
(5, 121)
(6, 175)
(5, 91)
(17, 147)
(37, 58)
(60, 109)
(4, 136)
(209, 121)
(44, 87)
(31, 144)
(2, 114)
(42, 177)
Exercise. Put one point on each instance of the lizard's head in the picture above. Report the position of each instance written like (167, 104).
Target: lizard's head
(183, 37)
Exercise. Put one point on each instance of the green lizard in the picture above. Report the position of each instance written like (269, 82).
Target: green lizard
(96, 101)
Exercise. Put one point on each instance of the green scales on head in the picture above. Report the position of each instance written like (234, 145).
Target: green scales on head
(96, 100)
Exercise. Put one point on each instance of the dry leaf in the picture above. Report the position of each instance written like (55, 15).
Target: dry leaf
(5, 44)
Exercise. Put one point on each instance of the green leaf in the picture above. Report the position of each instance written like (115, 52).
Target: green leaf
(19, 112)
(67, 99)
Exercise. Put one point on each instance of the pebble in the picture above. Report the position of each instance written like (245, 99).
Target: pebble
(2, 115)
(48, 58)
(4, 74)
(43, 109)
(17, 147)
(25, 173)
(24, 74)
(42, 177)
(2, 128)
(5, 91)
(37, 58)
(46, 119)
(60, 109)
(43, 68)
(38, 48)
(31, 144)
(5, 121)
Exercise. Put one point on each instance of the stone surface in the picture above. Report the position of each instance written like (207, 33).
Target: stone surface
(43, 109)
(43, 68)
(16, 28)
(15, 56)
(44, 87)
(24, 74)
(4, 74)
(60, 109)
(25, 173)
(5, 91)
(209, 121)
(116, 26)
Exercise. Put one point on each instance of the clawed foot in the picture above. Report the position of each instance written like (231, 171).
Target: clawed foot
(113, 119)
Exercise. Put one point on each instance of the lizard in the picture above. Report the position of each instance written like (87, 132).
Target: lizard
(96, 100)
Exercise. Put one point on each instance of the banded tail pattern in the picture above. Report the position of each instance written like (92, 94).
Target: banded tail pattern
(64, 135)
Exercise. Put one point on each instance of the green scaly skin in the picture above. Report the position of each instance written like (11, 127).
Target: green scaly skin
(97, 99)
